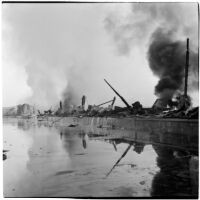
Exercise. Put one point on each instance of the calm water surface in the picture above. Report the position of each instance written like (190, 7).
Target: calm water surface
(45, 161)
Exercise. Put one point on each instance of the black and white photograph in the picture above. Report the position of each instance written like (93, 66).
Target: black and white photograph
(100, 99)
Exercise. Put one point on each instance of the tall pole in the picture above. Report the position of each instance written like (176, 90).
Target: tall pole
(61, 105)
(186, 68)
(125, 102)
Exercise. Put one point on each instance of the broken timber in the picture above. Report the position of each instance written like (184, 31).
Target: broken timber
(113, 101)
(125, 102)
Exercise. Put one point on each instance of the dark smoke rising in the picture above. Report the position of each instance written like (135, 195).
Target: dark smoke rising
(167, 61)
(46, 41)
(163, 29)
(193, 80)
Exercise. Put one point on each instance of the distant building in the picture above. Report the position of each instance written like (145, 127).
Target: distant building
(84, 103)
(10, 111)
(19, 110)
(25, 109)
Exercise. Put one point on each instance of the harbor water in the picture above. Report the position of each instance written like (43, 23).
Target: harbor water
(72, 161)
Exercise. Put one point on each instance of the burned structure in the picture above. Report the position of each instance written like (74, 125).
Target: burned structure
(173, 71)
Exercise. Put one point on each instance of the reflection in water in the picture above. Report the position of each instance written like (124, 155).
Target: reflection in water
(62, 162)
(139, 147)
(123, 155)
(83, 137)
(173, 179)
(84, 143)
(24, 125)
(114, 145)
(70, 141)
(61, 134)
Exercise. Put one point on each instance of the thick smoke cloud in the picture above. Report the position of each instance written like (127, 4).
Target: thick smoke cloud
(76, 80)
(167, 61)
(70, 97)
(162, 28)
(55, 44)
(138, 22)
(66, 50)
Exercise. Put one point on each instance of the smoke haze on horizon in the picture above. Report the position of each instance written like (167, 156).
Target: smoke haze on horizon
(58, 50)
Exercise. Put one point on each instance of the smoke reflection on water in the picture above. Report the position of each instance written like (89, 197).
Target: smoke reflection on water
(63, 162)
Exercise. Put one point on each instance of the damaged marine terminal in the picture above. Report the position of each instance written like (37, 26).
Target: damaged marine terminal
(170, 126)
(171, 104)
(171, 122)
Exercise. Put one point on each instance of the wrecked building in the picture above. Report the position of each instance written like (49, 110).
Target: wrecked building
(10, 111)
(25, 109)
(19, 110)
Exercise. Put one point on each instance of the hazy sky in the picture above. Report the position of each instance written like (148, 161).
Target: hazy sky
(49, 46)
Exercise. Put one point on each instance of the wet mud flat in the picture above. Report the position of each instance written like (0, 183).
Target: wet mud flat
(52, 160)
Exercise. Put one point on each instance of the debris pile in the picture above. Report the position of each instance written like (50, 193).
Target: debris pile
(46, 113)
(192, 113)
(178, 107)
(170, 104)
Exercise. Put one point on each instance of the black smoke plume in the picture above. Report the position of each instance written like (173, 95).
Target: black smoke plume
(167, 61)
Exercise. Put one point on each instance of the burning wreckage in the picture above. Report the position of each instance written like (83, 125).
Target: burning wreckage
(176, 106)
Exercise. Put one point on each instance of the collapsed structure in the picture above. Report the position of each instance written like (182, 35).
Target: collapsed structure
(177, 106)
(20, 110)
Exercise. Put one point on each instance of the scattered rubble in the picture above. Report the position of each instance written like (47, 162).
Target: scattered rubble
(171, 106)
(178, 107)
(4, 154)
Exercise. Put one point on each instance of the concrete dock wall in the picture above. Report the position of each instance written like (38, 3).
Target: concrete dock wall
(182, 126)
(173, 132)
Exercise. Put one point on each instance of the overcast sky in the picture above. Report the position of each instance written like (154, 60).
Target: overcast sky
(49, 46)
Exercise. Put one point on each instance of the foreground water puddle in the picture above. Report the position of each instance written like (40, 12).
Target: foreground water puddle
(59, 161)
